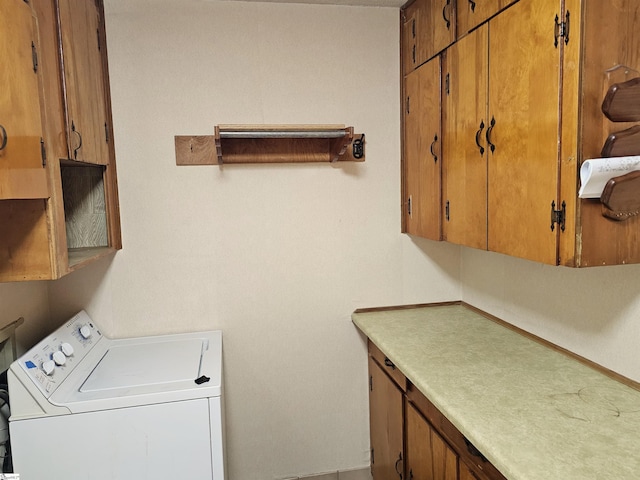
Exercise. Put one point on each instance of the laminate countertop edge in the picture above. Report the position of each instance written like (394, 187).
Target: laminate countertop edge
(534, 412)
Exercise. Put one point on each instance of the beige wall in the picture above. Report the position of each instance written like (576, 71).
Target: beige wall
(594, 312)
(29, 300)
(277, 256)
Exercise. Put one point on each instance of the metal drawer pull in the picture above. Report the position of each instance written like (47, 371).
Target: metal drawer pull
(389, 363)
(4, 138)
(473, 450)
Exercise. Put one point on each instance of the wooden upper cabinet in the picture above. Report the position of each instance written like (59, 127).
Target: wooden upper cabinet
(84, 81)
(594, 61)
(522, 109)
(74, 218)
(428, 457)
(428, 27)
(409, 32)
(422, 157)
(22, 172)
(465, 125)
(437, 28)
(523, 131)
(471, 13)
(386, 425)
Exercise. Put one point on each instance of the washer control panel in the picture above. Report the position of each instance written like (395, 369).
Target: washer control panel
(55, 357)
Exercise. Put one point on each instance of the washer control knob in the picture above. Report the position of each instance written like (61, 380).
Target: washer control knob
(59, 358)
(85, 331)
(48, 367)
(67, 349)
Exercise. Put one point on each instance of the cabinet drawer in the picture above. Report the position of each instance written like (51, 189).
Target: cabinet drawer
(478, 464)
(388, 366)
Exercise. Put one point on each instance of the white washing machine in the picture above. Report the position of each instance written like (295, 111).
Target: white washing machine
(84, 406)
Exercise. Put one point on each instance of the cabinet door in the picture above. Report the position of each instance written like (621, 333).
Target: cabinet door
(471, 13)
(466, 473)
(84, 81)
(409, 38)
(22, 173)
(422, 145)
(524, 131)
(385, 419)
(465, 149)
(428, 456)
(436, 27)
(429, 26)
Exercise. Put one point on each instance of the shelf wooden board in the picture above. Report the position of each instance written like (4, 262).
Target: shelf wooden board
(268, 144)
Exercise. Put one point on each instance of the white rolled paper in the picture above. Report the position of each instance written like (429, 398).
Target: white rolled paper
(596, 172)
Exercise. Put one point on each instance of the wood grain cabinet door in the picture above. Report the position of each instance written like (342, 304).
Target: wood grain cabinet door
(428, 27)
(22, 172)
(422, 151)
(471, 13)
(409, 26)
(466, 473)
(84, 82)
(437, 27)
(385, 420)
(428, 457)
(465, 147)
(523, 133)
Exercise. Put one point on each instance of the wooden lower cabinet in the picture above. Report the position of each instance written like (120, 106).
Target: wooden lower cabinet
(428, 457)
(410, 438)
(465, 473)
(385, 420)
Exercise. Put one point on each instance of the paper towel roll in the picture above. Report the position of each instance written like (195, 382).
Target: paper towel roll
(596, 172)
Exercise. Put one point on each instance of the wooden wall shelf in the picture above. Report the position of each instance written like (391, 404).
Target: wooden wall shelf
(271, 144)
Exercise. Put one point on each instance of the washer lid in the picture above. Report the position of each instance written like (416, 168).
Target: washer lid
(138, 365)
(143, 371)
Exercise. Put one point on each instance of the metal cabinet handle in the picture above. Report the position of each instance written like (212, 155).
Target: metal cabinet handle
(389, 363)
(488, 136)
(473, 450)
(75, 150)
(478, 133)
(444, 14)
(4, 138)
(473, 5)
(399, 472)
(435, 157)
